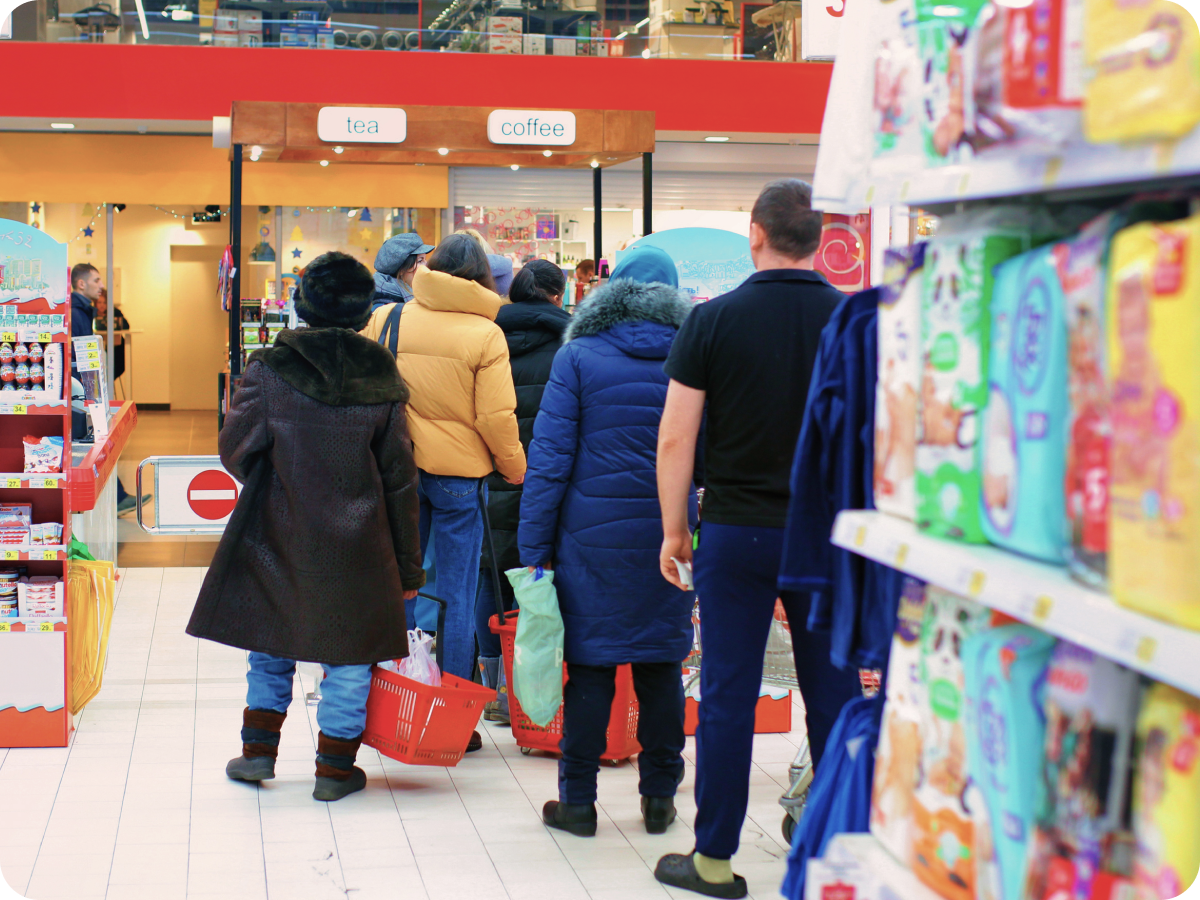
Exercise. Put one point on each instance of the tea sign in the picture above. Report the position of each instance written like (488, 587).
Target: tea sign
(362, 125)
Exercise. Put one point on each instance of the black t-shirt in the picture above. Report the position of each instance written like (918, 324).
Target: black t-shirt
(752, 351)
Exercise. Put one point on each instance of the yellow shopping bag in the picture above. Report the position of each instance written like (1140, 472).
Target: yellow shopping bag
(91, 586)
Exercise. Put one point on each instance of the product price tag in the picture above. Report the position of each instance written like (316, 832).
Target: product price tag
(45, 337)
(49, 482)
(860, 536)
(17, 409)
(1146, 648)
(45, 626)
(973, 581)
(901, 555)
(49, 554)
(1042, 607)
(5, 626)
(9, 336)
(12, 554)
(12, 482)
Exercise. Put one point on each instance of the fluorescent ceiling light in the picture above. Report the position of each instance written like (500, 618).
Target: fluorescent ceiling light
(64, 125)
(645, 21)
(141, 11)
(622, 35)
(324, 162)
(514, 167)
(716, 139)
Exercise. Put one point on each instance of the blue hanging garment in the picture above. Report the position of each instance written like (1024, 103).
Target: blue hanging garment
(840, 798)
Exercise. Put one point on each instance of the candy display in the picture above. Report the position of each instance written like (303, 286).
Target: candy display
(44, 454)
(1153, 344)
(1166, 794)
(899, 381)
(40, 596)
(1024, 427)
(944, 830)
(1090, 709)
(9, 606)
(1004, 670)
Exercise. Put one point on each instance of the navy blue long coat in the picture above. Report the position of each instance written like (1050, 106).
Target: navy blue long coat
(590, 504)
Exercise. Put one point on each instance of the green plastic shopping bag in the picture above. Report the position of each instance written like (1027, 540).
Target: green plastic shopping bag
(538, 652)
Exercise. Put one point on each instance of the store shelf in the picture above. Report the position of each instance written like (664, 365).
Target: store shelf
(32, 407)
(91, 473)
(1110, 168)
(860, 860)
(1043, 595)
(25, 480)
(33, 624)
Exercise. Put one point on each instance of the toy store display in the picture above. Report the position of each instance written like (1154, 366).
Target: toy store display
(938, 102)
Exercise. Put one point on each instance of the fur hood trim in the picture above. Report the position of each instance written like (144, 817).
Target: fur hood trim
(624, 300)
(335, 366)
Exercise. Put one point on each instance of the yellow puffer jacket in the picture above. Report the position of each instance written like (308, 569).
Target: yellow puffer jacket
(454, 359)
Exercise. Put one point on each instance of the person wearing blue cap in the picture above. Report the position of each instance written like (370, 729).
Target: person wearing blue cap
(590, 510)
(502, 273)
(395, 265)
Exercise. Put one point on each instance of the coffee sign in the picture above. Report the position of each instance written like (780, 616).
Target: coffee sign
(539, 127)
(362, 124)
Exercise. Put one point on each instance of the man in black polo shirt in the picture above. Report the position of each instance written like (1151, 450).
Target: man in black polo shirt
(748, 356)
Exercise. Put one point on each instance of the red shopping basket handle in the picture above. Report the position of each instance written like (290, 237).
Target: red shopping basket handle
(487, 530)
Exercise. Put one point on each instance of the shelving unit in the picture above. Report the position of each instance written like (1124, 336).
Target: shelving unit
(34, 663)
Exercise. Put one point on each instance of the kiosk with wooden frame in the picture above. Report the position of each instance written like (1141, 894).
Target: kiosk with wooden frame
(336, 134)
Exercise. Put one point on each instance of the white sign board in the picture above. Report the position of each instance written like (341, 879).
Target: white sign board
(820, 25)
(362, 125)
(540, 127)
(198, 496)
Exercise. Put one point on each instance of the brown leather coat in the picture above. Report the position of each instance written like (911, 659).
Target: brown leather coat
(324, 538)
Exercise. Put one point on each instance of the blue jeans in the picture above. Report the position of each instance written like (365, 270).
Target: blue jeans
(450, 517)
(736, 569)
(485, 608)
(342, 712)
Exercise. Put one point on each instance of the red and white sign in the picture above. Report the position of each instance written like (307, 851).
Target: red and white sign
(820, 28)
(212, 494)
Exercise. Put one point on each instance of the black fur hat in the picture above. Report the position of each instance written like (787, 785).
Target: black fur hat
(336, 292)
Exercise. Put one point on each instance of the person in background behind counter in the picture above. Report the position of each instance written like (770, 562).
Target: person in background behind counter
(120, 323)
(585, 273)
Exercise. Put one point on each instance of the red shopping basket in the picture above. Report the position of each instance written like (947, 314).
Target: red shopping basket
(420, 724)
(622, 724)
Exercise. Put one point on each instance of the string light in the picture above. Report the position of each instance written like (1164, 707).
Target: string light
(185, 216)
(88, 227)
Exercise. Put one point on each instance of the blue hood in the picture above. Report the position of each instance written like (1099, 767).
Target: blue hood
(648, 265)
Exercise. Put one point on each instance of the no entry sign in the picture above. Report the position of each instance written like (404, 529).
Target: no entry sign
(212, 494)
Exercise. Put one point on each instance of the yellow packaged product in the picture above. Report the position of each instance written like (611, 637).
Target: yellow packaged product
(1153, 312)
(1166, 794)
(1144, 61)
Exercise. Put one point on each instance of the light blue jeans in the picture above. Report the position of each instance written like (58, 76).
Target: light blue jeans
(450, 517)
(342, 712)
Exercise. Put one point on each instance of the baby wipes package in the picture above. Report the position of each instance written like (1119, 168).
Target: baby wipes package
(1005, 675)
(1166, 794)
(1143, 60)
(955, 338)
(899, 368)
(1090, 710)
(943, 855)
(1154, 344)
(1025, 425)
(898, 753)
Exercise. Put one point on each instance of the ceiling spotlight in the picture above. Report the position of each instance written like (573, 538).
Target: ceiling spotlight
(62, 124)
(255, 153)
(547, 153)
(338, 149)
(594, 164)
(514, 167)
(443, 151)
(646, 53)
(716, 139)
(324, 162)
(351, 213)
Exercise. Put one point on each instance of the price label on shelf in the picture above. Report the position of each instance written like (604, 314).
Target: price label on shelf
(860, 536)
(1042, 607)
(901, 555)
(45, 626)
(1146, 648)
(45, 482)
(975, 583)
(12, 554)
(9, 336)
(49, 554)
(18, 409)
(5, 626)
(45, 337)
(12, 482)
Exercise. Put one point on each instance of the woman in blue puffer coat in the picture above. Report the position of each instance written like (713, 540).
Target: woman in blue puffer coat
(590, 511)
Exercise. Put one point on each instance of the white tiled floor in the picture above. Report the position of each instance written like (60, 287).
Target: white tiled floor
(139, 806)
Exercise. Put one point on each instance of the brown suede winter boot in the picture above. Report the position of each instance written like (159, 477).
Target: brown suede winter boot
(260, 745)
(337, 775)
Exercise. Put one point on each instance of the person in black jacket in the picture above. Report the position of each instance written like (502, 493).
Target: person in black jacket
(533, 324)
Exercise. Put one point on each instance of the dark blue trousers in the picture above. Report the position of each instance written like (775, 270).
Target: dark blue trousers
(736, 570)
(587, 706)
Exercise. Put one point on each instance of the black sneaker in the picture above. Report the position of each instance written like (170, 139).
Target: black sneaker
(336, 788)
(679, 871)
(579, 820)
(658, 813)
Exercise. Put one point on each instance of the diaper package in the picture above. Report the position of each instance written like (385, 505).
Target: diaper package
(955, 339)
(1005, 671)
(1142, 58)
(896, 390)
(1090, 710)
(944, 836)
(1025, 425)
(899, 750)
(896, 114)
(944, 33)
(1166, 794)
(1154, 343)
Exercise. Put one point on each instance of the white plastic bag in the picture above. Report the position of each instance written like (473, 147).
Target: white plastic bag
(419, 665)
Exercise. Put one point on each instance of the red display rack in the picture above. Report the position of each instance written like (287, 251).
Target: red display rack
(87, 479)
(33, 651)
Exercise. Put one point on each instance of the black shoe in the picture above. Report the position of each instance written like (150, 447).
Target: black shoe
(254, 768)
(337, 788)
(475, 743)
(679, 871)
(579, 820)
(658, 813)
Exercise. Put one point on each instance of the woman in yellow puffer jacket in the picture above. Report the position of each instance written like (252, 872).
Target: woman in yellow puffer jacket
(462, 419)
